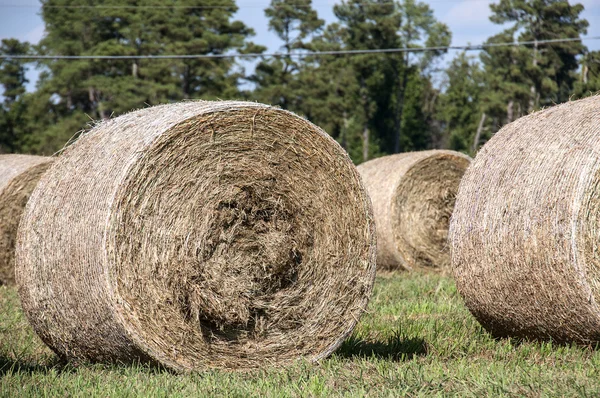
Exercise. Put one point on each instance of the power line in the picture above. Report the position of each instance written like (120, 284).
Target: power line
(476, 47)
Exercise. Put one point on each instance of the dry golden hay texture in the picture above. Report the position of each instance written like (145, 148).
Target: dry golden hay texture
(198, 235)
(18, 176)
(525, 230)
(413, 196)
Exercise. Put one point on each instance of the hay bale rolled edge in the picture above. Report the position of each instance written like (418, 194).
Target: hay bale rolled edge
(524, 234)
(413, 196)
(18, 176)
(199, 234)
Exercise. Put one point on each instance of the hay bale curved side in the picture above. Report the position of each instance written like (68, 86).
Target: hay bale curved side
(413, 196)
(524, 233)
(196, 235)
(18, 176)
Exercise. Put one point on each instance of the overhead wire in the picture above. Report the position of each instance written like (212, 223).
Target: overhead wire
(467, 47)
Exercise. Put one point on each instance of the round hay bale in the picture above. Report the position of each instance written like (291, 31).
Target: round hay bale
(413, 196)
(198, 235)
(524, 234)
(18, 176)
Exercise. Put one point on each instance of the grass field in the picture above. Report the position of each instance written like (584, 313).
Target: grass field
(416, 340)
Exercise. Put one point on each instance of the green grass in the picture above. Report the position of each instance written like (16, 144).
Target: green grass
(416, 340)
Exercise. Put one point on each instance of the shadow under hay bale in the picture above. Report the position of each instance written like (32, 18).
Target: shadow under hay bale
(413, 196)
(19, 175)
(525, 230)
(395, 348)
(197, 235)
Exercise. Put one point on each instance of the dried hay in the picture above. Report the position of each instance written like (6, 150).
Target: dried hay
(18, 176)
(198, 235)
(413, 196)
(524, 234)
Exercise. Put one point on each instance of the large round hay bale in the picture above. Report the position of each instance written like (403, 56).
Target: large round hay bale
(197, 235)
(526, 227)
(18, 176)
(413, 196)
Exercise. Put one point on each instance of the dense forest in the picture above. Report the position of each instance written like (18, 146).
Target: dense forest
(373, 104)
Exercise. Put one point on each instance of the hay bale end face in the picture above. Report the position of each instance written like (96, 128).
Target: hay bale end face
(18, 176)
(198, 235)
(413, 196)
(524, 234)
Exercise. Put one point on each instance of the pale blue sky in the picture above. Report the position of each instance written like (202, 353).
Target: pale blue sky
(468, 20)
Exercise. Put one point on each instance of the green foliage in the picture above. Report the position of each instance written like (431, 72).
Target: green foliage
(392, 121)
(373, 104)
(13, 109)
(461, 105)
(416, 131)
(78, 91)
(327, 86)
(12, 72)
(293, 21)
(276, 79)
(548, 71)
(589, 81)
(365, 26)
(359, 99)
(507, 88)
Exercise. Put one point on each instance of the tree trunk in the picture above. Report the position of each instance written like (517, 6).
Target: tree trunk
(134, 70)
(185, 84)
(365, 137)
(365, 133)
(69, 99)
(400, 106)
(345, 132)
(478, 133)
(92, 99)
(533, 95)
(510, 111)
(95, 103)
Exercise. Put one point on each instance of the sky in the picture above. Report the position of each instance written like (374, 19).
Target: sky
(468, 21)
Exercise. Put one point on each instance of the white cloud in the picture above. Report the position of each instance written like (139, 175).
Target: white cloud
(468, 13)
(589, 4)
(469, 22)
(35, 35)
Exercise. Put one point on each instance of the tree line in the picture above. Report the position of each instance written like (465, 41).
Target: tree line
(373, 104)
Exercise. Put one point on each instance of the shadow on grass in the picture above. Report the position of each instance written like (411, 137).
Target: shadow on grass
(8, 365)
(11, 366)
(395, 348)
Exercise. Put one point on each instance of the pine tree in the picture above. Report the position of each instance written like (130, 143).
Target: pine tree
(549, 68)
(589, 80)
(85, 90)
(372, 25)
(506, 95)
(460, 105)
(384, 80)
(293, 21)
(12, 80)
(208, 31)
(417, 25)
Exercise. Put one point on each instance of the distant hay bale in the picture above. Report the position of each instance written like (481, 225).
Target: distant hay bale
(413, 196)
(198, 235)
(526, 227)
(18, 176)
